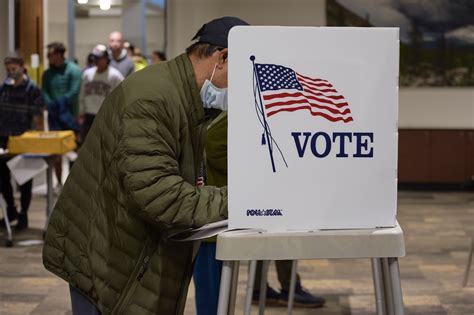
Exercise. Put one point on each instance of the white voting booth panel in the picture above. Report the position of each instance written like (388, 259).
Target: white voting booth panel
(313, 127)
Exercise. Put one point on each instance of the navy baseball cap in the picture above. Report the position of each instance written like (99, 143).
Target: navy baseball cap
(217, 31)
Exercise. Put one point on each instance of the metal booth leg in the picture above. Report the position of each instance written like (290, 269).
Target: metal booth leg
(9, 241)
(387, 284)
(396, 286)
(233, 288)
(263, 287)
(380, 302)
(469, 263)
(291, 296)
(250, 285)
(224, 290)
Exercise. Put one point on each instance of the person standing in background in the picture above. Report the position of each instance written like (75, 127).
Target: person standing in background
(207, 269)
(157, 57)
(61, 85)
(97, 83)
(119, 58)
(139, 62)
(89, 62)
(21, 106)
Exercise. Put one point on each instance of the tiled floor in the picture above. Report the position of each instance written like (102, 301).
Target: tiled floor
(437, 226)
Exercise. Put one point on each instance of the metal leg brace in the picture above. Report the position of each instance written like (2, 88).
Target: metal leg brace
(468, 265)
(291, 296)
(397, 295)
(224, 290)
(250, 285)
(380, 302)
(263, 287)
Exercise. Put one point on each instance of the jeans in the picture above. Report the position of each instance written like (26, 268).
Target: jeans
(80, 304)
(207, 278)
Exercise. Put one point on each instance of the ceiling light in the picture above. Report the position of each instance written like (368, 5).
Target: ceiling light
(104, 4)
(82, 1)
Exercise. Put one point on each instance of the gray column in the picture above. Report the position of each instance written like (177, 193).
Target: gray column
(71, 30)
(11, 25)
(134, 23)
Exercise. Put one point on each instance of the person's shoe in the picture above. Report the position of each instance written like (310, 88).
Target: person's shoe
(303, 298)
(12, 217)
(22, 222)
(272, 296)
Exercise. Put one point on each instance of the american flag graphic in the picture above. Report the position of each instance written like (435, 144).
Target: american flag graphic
(284, 90)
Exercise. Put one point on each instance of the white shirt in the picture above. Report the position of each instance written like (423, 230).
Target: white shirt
(95, 87)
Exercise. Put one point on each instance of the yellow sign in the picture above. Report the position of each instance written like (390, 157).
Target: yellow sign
(45, 142)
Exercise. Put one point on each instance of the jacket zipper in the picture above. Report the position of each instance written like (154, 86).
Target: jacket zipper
(134, 279)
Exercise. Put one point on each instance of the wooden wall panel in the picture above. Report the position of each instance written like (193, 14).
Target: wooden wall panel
(435, 156)
(448, 156)
(470, 156)
(414, 156)
(29, 15)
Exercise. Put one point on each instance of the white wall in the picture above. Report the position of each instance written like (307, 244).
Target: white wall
(155, 38)
(185, 17)
(57, 22)
(92, 31)
(436, 108)
(3, 36)
(96, 29)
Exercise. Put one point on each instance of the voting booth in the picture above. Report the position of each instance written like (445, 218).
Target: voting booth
(313, 127)
(312, 155)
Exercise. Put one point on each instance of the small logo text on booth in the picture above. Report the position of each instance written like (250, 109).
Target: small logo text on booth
(264, 212)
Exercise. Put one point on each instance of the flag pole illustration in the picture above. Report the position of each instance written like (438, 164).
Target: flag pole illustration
(267, 138)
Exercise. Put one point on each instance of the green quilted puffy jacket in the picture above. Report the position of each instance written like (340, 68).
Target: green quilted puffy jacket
(133, 186)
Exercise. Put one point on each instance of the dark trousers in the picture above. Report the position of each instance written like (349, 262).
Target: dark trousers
(86, 126)
(207, 278)
(7, 189)
(283, 268)
(80, 304)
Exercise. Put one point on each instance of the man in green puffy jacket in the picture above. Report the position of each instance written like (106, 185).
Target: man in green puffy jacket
(133, 186)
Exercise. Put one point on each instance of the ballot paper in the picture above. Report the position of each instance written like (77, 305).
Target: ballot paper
(24, 168)
(205, 231)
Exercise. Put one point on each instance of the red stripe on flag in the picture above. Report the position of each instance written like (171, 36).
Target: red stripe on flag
(317, 89)
(272, 96)
(328, 117)
(336, 104)
(332, 110)
(280, 95)
(324, 84)
(311, 79)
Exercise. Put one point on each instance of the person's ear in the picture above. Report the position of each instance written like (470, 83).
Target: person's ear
(223, 56)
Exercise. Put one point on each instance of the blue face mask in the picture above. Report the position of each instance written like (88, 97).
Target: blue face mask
(212, 96)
